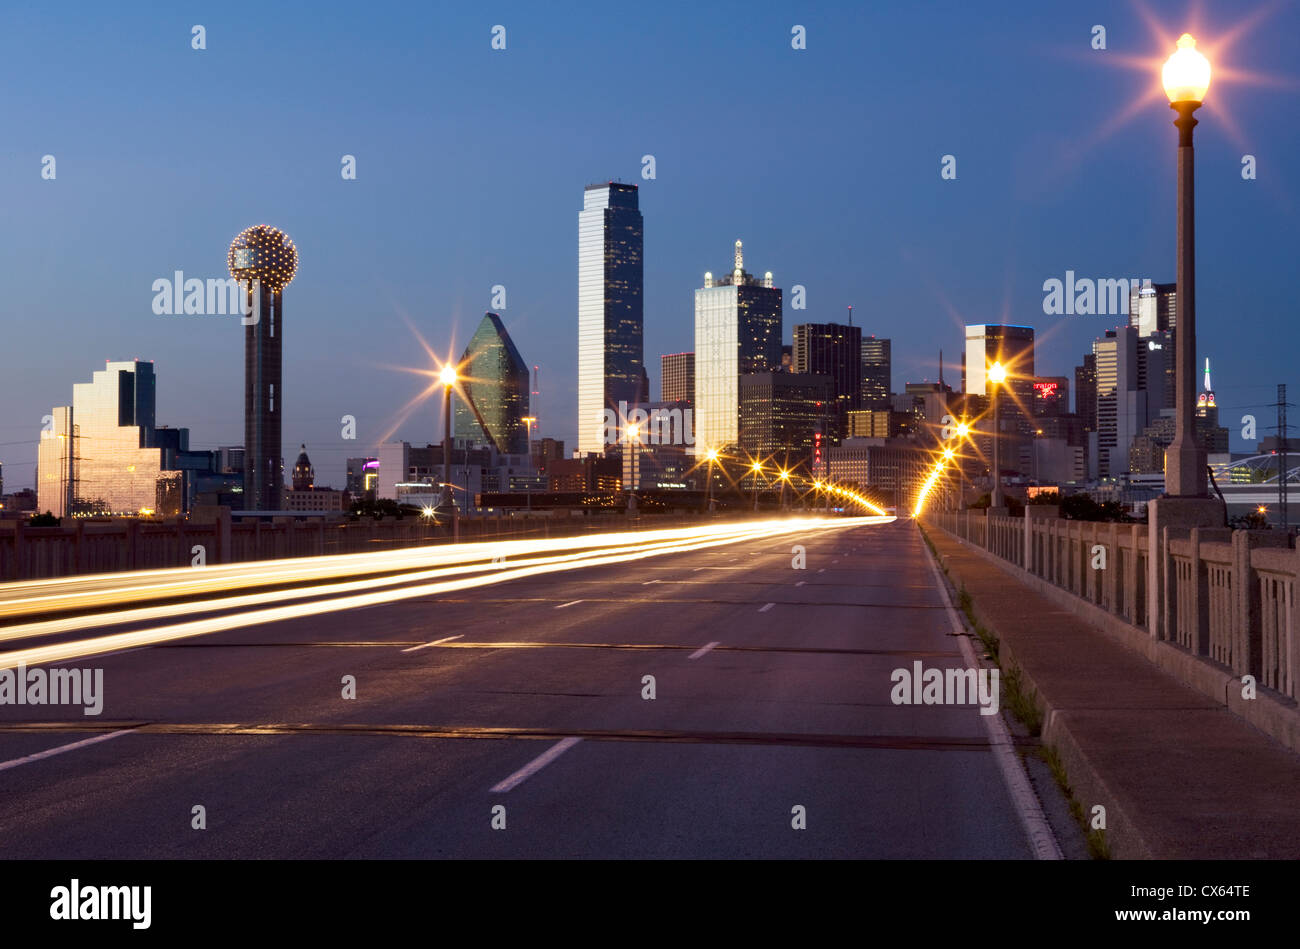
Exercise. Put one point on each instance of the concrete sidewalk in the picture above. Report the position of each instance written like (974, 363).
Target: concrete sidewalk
(1180, 776)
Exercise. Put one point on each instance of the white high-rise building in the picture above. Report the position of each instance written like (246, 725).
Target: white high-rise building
(738, 331)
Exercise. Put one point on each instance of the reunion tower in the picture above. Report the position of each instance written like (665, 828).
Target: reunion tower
(263, 260)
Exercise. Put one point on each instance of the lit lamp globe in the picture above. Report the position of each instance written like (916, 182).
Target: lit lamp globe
(448, 376)
(1186, 74)
(264, 254)
(997, 374)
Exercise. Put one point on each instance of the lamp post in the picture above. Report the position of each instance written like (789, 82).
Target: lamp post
(447, 503)
(756, 468)
(1186, 77)
(997, 376)
(785, 477)
(633, 477)
(711, 456)
(961, 431)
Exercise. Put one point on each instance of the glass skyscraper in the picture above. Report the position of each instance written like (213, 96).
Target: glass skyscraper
(495, 376)
(738, 332)
(610, 271)
(877, 372)
(103, 454)
(834, 350)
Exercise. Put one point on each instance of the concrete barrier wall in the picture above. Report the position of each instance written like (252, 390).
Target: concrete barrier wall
(33, 553)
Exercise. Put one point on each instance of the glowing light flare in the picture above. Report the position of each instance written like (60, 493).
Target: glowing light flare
(1186, 74)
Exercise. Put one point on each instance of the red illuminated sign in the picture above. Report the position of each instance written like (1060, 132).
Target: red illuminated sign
(1046, 389)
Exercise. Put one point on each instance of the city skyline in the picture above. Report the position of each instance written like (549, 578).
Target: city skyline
(1108, 202)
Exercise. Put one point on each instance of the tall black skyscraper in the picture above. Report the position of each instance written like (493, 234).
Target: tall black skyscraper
(877, 373)
(263, 260)
(834, 350)
(610, 268)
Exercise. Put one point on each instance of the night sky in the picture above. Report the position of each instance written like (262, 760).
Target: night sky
(471, 164)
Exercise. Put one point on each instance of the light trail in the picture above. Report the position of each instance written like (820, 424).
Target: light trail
(61, 593)
(700, 539)
(142, 614)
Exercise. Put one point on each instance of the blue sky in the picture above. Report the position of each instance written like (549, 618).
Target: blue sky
(471, 163)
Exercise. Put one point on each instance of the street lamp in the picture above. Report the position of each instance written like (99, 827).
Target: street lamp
(961, 431)
(757, 469)
(1186, 77)
(447, 377)
(997, 376)
(633, 476)
(785, 477)
(711, 456)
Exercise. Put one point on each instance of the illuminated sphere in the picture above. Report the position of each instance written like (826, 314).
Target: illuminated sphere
(1186, 74)
(263, 253)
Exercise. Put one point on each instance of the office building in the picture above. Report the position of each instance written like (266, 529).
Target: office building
(780, 412)
(610, 317)
(877, 373)
(1085, 392)
(677, 383)
(889, 471)
(834, 351)
(1153, 308)
(738, 330)
(103, 454)
(362, 478)
(494, 380)
(1051, 396)
(1124, 408)
(1012, 346)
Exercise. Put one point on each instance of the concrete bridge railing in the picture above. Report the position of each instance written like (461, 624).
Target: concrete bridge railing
(1227, 598)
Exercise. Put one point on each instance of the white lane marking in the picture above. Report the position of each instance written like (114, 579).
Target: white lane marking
(698, 569)
(648, 582)
(537, 764)
(570, 603)
(801, 583)
(701, 651)
(834, 561)
(436, 642)
(822, 570)
(764, 609)
(1037, 829)
(6, 765)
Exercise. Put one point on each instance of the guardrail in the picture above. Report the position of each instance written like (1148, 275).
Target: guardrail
(1226, 597)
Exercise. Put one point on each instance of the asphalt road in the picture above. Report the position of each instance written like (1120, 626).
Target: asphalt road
(537, 706)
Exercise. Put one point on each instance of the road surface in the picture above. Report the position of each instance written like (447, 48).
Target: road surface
(509, 720)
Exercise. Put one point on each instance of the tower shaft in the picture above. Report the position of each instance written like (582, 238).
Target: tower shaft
(263, 403)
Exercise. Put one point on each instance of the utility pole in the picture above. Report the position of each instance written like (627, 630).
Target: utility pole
(1282, 467)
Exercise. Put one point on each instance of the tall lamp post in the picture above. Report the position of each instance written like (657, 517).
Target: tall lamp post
(997, 376)
(633, 477)
(756, 468)
(961, 431)
(1186, 77)
(711, 456)
(448, 379)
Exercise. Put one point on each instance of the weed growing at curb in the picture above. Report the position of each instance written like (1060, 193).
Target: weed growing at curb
(1098, 848)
